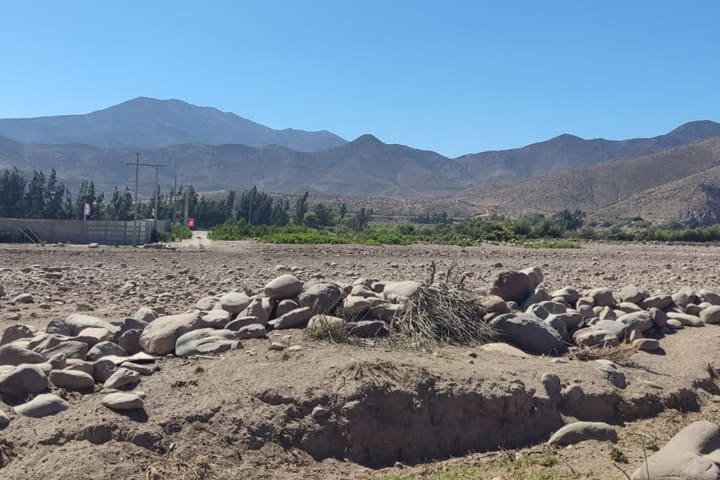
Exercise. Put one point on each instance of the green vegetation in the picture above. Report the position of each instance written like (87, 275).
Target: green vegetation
(551, 244)
(617, 455)
(176, 232)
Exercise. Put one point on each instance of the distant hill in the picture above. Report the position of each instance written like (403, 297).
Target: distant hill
(148, 122)
(566, 152)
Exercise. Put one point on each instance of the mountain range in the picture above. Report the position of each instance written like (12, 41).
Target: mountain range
(214, 150)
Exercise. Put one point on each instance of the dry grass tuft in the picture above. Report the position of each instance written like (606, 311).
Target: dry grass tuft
(619, 354)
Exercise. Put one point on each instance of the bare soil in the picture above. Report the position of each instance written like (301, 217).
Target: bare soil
(351, 411)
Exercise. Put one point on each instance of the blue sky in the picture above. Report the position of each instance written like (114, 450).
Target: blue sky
(450, 76)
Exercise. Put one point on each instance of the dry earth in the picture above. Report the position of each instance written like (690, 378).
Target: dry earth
(253, 412)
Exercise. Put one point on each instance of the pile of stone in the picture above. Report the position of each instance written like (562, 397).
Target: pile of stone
(539, 321)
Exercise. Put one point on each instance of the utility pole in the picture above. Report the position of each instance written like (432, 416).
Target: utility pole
(174, 199)
(157, 167)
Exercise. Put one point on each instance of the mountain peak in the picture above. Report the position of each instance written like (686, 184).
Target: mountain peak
(367, 139)
(696, 129)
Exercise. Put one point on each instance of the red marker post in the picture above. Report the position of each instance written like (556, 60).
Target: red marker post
(191, 223)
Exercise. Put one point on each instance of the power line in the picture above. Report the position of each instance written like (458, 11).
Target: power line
(157, 168)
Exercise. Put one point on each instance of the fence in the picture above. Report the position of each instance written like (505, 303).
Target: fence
(107, 232)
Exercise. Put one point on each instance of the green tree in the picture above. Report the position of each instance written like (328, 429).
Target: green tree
(301, 208)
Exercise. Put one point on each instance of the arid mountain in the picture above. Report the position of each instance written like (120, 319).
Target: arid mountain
(363, 167)
(566, 152)
(148, 122)
(660, 187)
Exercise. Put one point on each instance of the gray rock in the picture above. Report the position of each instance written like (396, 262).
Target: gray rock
(285, 306)
(602, 297)
(399, 291)
(144, 370)
(42, 406)
(685, 296)
(78, 322)
(632, 294)
(241, 322)
(255, 330)
(552, 384)
(70, 348)
(692, 454)
(204, 341)
(711, 315)
(321, 297)
(657, 301)
(14, 354)
(568, 294)
(529, 333)
(23, 298)
(206, 303)
(494, 304)
(367, 328)
(160, 336)
(619, 329)
(282, 287)
(234, 302)
(130, 341)
(294, 319)
(216, 318)
(582, 431)
(628, 307)
(23, 380)
(543, 310)
(659, 318)
(713, 298)
(103, 349)
(123, 401)
(387, 312)
(637, 321)
(535, 275)
(121, 378)
(144, 314)
(323, 326)
(4, 418)
(15, 332)
(358, 307)
(103, 369)
(71, 379)
(512, 286)
(646, 344)
(685, 319)
(612, 372)
(260, 308)
(559, 325)
(593, 337)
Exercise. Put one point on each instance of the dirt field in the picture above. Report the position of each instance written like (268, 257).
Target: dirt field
(322, 410)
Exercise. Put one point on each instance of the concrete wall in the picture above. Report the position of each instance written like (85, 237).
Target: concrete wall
(107, 232)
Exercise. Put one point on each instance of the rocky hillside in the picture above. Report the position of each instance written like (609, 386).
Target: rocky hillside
(148, 122)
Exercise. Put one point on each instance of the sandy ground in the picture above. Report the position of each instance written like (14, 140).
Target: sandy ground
(245, 413)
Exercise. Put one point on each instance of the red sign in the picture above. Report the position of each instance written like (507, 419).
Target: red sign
(191, 222)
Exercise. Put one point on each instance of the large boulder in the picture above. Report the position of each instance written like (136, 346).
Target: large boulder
(327, 326)
(216, 318)
(685, 319)
(357, 307)
(23, 380)
(581, 431)
(282, 287)
(512, 286)
(321, 297)
(15, 332)
(641, 320)
(160, 336)
(529, 333)
(78, 322)
(204, 341)
(399, 291)
(692, 454)
(14, 354)
(122, 378)
(234, 302)
(42, 406)
(71, 379)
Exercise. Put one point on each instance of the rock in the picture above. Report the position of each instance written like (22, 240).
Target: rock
(282, 287)
(4, 418)
(216, 318)
(710, 315)
(14, 354)
(103, 349)
(544, 309)
(568, 294)
(15, 332)
(632, 294)
(80, 366)
(399, 291)
(206, 303)
(241, 322)
(260, 308)
(602, 297)
(234, 302)
(646, 344)
(691, 454)
(122, 377)
(94, 335)
(552, 384)
(78, 322)
(692, 309)
(559, 325)
(141, 369)
(362, 291)
(321, 297)
(356, 307)
(103, 369)
(23, 380)
(255, 330)
(593, 337)
(512, 286)
(285, 306)
(659, 318)
(605, 313)
(144, 314)
(535, 275)
(529, 333)
(204, 341)
(123, 401)
(130, 341)
(294, 319)
(387, 312)
(709, 296)
(685, 296)
(628, 307)
(23, 298)
(327, 326)
(160, 336)
(71, 379)
(685, 319)
(494, 304)
(674, 324)
(657, 301)
(42, 406)
(612, 372)
(503, 349)
(131, 324)
(69, 348)
(539, 295)
(637, 321)
(619, 329)
(368, 328)
(582, 431)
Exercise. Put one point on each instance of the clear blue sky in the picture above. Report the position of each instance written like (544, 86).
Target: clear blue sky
(451, 76)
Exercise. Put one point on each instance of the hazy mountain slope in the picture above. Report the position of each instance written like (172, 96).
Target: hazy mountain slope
(147, 122)
(567, 151)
